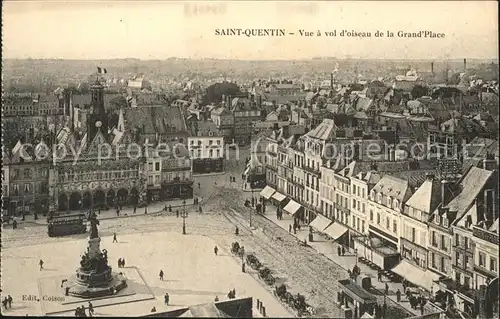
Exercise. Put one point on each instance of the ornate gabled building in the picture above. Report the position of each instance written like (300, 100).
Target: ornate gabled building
(96, 171)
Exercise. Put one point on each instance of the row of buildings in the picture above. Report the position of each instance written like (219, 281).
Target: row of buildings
(106, 160)
(435, 225)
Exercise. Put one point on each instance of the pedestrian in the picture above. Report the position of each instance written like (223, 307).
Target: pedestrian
(200, 210)
(404, 285)
(123, 262)
(234, 292)
(9, 300)
(99, 211)
(216, 298)
(398, 295)
(386, 289)
(177, 213)
(343, 251)
(41, 264)
(145, 210)
(135, 209)
(114, 238)
(153, 309)
(91, 309)
(237, 231)
(199, 185)
(379, 276)
(117, 211)
(216, 250)
(84, 314)
(339, 251)
(119, 263)
(169, 208)
(243, 267)
(167, 298)
(289, 228)
(422, 309)
(161, 274)
(4, 303)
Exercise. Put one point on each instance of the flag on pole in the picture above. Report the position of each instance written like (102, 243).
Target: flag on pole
(101, 70)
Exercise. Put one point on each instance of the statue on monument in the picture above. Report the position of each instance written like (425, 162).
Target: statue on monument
(93, 225)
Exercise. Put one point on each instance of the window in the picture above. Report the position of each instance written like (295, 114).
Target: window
(379, 198)
(363, 226)
(363, 207)
(443, 243)
(457, 240)
(434, 239)
(27, 188)
(413, 234)
(457, 259)
(157, 166)
(438, 219)
(210, 142)
(443, 265)
(387, 222)
(371, 215)
(394, 226)
(354, 189)
(445, 222)
(433, 261)
(211, 153)
(378, 218)
(218, 153)
(16, 189)
(482, 259)
(150, 166)
(395, 204)
(218, 142)
(191, 142)
(493, 264)
(466, 242)
(389, 202)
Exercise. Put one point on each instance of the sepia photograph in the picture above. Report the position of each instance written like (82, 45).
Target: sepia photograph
(250, 159)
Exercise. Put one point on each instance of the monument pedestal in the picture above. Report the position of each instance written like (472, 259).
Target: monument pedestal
(95, 277)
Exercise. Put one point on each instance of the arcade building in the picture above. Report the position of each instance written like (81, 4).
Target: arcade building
(102, 176)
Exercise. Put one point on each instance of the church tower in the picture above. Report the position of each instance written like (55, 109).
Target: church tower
(97, 113)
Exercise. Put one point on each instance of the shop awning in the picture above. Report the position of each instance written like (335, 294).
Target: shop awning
(335, 230)
(267, 192)
(292, 207)
(415, 275)
(320, 223)
(278, 196)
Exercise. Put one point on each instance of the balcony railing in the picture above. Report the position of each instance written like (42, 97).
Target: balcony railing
(341, 208)
(311, 170)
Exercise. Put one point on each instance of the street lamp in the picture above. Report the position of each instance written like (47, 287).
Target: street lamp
(184, 215)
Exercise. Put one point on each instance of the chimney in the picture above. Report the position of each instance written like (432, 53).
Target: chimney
(465, 65)
(489, 163)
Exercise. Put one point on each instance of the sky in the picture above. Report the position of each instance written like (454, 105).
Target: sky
(162, 29)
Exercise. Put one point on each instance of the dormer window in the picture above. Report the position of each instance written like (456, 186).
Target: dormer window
(372, 195)
(379, 198)
(396, 204)
(445, 222)
(437, 220)
(389, 201)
